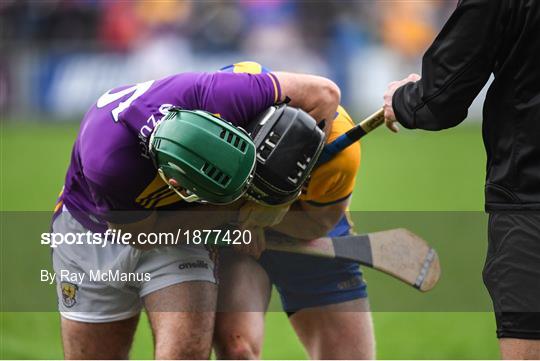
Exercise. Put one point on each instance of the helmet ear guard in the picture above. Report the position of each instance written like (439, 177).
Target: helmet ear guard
(288, 143)
(212, 160)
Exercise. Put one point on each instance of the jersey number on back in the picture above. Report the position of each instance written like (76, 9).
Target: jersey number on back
(108, 97)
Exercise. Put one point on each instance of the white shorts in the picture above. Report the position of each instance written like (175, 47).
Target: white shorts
(104, 284)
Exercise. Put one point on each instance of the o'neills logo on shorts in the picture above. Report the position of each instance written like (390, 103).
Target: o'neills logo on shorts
(189, 265)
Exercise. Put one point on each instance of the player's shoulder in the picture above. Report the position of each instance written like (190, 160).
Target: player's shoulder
(342, 123)
(245, 67)
(348, 160)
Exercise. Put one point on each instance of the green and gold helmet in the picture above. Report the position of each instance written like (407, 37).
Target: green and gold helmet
(210, 159)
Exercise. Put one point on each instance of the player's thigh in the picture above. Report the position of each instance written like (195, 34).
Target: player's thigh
(244, 293)
(322, 295)
(243, 284)
(180, 300)
(182, 319)
(98, 317)
(105, 341)
(337, 331)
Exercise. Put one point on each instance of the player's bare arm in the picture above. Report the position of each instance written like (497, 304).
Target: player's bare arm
(316, 95)
(306, 221)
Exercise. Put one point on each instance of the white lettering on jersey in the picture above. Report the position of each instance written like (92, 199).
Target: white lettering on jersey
(149, 127)
(108, 97)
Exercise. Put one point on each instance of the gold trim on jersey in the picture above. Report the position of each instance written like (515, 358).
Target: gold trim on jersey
(58, 205)
(59, 202)
(157, 194)
(274, 82)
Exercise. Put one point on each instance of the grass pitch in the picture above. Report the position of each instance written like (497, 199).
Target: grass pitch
(411, 171)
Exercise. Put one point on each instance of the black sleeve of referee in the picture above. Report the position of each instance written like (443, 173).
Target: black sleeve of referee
(454, 68)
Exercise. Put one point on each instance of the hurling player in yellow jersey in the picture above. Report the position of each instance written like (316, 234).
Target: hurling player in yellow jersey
(325, 299)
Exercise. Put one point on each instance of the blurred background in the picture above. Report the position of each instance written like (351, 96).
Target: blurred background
(58, 56)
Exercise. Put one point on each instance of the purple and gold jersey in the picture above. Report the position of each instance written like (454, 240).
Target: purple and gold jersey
(111, 173)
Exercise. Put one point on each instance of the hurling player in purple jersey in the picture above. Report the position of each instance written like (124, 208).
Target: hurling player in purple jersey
(112, 183)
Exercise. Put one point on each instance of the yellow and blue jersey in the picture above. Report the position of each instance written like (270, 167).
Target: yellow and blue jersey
(334, 180)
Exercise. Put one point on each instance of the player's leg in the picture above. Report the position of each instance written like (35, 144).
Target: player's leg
(239, 335)
(338, 331)
(326, 302)
(180, 300)
(98, 320)
(512, 277)
(244, 292)
(519, 349)
(102, 341)
(183, 320)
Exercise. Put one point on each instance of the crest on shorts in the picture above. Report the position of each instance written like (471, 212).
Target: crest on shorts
(69, 294)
